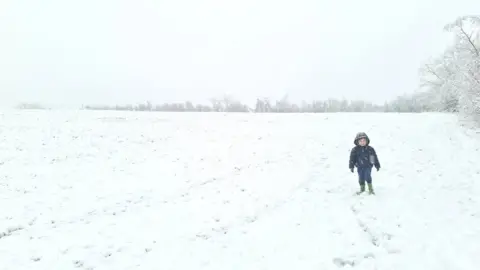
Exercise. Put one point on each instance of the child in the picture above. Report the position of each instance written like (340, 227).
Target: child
(364, 157)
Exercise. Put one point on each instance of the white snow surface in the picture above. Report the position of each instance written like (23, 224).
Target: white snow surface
(131, 190)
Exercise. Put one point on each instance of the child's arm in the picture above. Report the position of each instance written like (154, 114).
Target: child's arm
(377, 162)
(353, 155)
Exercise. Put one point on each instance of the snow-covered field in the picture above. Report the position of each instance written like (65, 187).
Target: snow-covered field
(120, 190)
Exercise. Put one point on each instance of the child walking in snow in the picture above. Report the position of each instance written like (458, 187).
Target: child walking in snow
(364, 157)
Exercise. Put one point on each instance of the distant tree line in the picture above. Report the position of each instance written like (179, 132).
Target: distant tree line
(418, 102)
(30, 106)
(404, 103)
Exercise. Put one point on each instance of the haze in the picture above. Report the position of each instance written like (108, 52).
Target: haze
(71, 53)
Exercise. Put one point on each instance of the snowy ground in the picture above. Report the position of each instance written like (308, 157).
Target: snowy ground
(114, 190)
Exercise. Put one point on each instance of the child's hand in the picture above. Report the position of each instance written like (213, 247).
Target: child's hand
(378, 169)
(351, 169)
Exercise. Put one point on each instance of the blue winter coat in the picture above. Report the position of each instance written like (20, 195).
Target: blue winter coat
(363, 156)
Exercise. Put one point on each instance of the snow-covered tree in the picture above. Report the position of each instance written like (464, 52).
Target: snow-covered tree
(452, 80)
(466, 57)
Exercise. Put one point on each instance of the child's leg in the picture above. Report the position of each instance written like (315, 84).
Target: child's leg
(368, 179)
(368, 175)
(361, 178)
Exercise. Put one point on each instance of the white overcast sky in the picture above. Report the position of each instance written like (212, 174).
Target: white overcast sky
(117, 51)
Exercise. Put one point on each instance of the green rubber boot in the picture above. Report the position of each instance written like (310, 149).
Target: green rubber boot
(370, 189)
(362, 189)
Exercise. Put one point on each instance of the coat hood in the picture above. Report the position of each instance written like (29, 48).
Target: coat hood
(359, 136)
